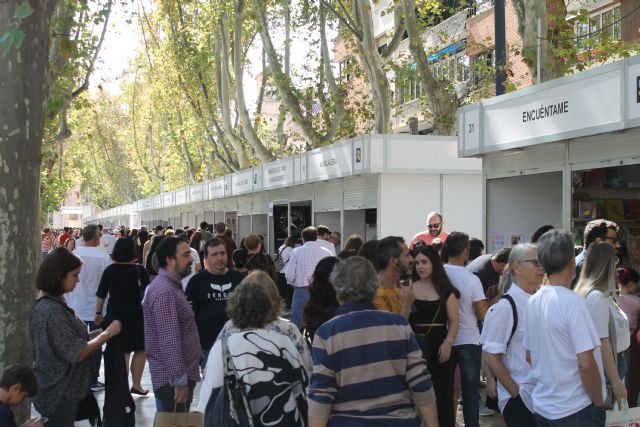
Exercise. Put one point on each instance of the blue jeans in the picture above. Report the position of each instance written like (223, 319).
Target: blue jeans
(591, 416)
(469, 357)
(97, 356)
(165, 402)
(300, 298)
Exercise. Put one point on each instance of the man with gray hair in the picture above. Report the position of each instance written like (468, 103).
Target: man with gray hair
(371, 356)
(562, 343)
(83, 297)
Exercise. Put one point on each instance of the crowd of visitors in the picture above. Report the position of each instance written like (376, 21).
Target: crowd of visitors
(381, 332)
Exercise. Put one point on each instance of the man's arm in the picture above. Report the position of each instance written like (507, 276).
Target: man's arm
(590, 376)
(481, 308)
(499, 370)
(290, 268)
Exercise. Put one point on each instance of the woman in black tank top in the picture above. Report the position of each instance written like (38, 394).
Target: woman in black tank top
(435, 321)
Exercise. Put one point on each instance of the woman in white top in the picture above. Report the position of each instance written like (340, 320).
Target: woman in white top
(286, 248)
(265, 362)
(598, 276)
(503, 335)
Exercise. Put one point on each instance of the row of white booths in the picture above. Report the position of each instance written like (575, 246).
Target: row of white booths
(559, 153)
(373, 185)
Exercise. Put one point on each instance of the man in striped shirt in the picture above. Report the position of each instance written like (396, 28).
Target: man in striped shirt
(368, 368)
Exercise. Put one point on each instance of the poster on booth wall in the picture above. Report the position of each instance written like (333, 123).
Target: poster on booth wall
(517, 237)
(300, 218)
(497, 241)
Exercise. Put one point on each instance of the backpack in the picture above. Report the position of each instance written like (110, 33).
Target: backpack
(515, 316)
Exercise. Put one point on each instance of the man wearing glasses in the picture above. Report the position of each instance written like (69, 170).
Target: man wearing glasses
(598, 230)
(434, 229)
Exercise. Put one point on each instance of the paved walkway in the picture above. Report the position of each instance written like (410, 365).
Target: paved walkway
(146, 407)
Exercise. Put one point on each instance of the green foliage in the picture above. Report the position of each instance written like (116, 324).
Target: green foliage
(13, 35)
(53, 190)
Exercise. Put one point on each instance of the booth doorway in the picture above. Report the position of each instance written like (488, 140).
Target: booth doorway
(517, 206)
(230, 219)
(244, 227)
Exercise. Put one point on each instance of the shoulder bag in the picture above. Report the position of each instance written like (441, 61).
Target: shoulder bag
(278, 262)
(228, 406)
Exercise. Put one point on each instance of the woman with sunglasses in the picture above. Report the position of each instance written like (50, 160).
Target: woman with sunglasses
(435, 321)
(503, 336)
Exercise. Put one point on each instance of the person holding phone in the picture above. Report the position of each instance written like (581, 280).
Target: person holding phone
(62, 345)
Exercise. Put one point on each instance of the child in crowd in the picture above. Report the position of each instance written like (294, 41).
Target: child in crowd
(17, 383)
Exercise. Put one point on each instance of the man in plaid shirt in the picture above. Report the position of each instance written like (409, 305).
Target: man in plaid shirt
(171, 337)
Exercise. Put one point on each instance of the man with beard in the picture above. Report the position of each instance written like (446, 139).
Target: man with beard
(394, 262)
(435, 226)
(171, 335)
(208, 292)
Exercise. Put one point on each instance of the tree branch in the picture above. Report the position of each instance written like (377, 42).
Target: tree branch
(344, 19)
(85, 84)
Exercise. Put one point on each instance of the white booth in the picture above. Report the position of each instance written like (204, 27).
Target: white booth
(559, 153)
(373, 185)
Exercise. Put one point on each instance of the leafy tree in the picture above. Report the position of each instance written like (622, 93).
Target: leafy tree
(24, 67)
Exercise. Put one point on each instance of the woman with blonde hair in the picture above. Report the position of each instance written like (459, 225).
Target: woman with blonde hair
(598, 276)
(274, 320)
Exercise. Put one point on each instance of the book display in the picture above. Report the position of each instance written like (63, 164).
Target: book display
(612, 193)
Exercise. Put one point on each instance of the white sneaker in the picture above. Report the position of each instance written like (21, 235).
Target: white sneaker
(487, 412)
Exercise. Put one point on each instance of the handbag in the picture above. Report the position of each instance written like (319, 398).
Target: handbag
(140, 288)
(228, 406)
(623, 416)
(174, 419)
(278, 262)
(426, 344)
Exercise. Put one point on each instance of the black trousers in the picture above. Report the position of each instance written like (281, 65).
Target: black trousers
(516, 414)
(441, 373)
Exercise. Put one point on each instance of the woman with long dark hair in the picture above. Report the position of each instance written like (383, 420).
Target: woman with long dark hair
(322, 302)
(196, 243)
(435, 321)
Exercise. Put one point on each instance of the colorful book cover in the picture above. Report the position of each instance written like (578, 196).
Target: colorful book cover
(587, 210)
(615, 210)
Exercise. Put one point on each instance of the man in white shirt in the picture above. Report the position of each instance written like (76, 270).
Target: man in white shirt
(324, 234)
(503, 334)
(473, 307)
(562, 343)
(107, 241)
(299, 270)
(83, 297)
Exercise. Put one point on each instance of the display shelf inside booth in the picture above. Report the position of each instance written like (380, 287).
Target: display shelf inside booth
(612, 193)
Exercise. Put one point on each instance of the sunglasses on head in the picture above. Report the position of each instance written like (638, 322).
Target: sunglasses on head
(433, 226)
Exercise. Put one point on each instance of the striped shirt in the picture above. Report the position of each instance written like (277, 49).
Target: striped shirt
(368, 370)
(170, 334)
(46, 242)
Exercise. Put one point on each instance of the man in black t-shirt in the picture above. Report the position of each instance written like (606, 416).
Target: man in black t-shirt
(208, 292)
(488, 268)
